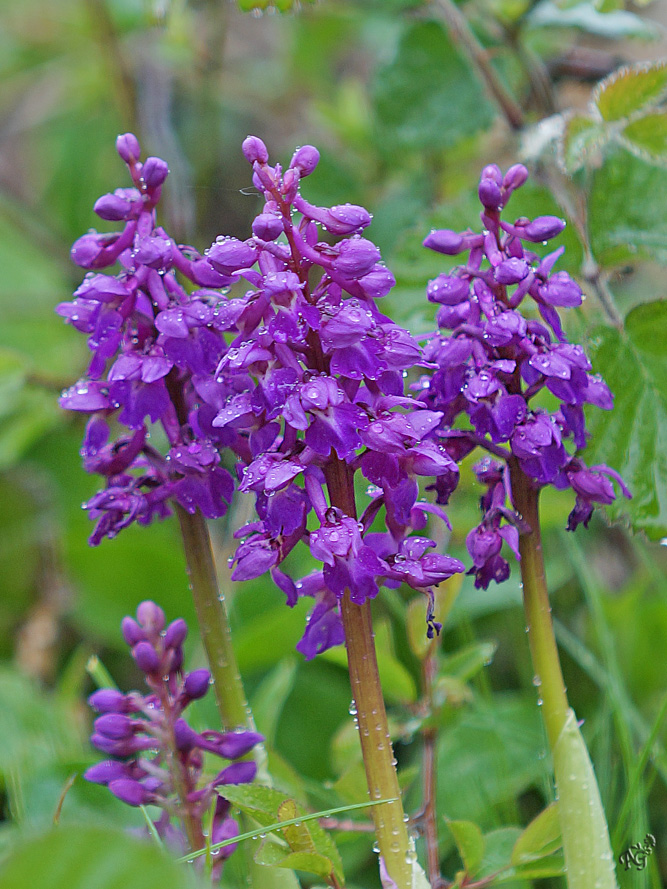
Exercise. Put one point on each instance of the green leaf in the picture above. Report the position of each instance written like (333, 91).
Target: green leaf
(428, 95)
(631, 437)
(647, 137)
(628, 211)
(498, 850)
(268, 806)
(631, 89)
(541, 837)
(269, 699)
(272, 854)
(82, 857)
(551, 866)
(585, 17)
(468, 661)
(581, 141)
(588, 856)
(470, 844)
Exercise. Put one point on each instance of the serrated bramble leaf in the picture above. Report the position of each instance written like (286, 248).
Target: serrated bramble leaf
(540, 838)
(630, 438)
(470, 844)
(647, 136)
(630, 90)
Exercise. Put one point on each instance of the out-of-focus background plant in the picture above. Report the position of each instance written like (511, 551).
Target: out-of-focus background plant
(406, 100)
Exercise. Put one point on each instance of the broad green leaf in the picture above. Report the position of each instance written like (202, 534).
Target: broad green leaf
(630, 89)
(628, 211)
(631, 437)
(470, 844)
(588, 856)
(82, 857)
(468, 661)
(428, 95)
(540, 838)
(582, 139)
(585, 17)
(647, 136)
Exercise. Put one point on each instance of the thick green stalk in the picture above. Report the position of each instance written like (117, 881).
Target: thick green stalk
(371, 716)
(213, 622)
(230, 696)
(588, 857)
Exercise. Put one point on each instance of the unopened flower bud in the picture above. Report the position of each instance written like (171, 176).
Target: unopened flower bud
(237, 773)
(232, 745)
(444, 241)
(267, 226)
(132, 632)
(448, 290)
(305, 159)
(492, 173)
(230, 255)
(176, 633)
(543, 228)
(515, 177)
(154, 172)
(104, 772)
(151, 616)
(115, 726)
(196, 684)
(107, 700)
(131, 792)
(128, 148)
(255, 150)
(490, 194)
(356, 258)
(511, 271)
(117, 206)
(146, 657)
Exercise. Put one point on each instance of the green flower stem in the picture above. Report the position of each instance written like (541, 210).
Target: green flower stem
(588, 857)
(548, 674)
(213, 622)
(371, 717)
(230, 696)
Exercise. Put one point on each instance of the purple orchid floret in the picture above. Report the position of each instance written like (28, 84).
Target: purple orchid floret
(497, 355)
(155, 347)
(158, 759)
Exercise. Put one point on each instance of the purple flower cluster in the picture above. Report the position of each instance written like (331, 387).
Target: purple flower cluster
(155, 348)
(157, 759)
(317, 375)
(495, 360)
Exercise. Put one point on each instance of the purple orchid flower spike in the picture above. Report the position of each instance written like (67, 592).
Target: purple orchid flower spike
(157, 758)
(496, 359)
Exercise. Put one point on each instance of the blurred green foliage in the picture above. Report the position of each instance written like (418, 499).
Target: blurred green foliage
(404, 123)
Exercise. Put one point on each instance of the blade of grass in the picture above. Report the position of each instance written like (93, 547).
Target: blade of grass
(278, 825)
